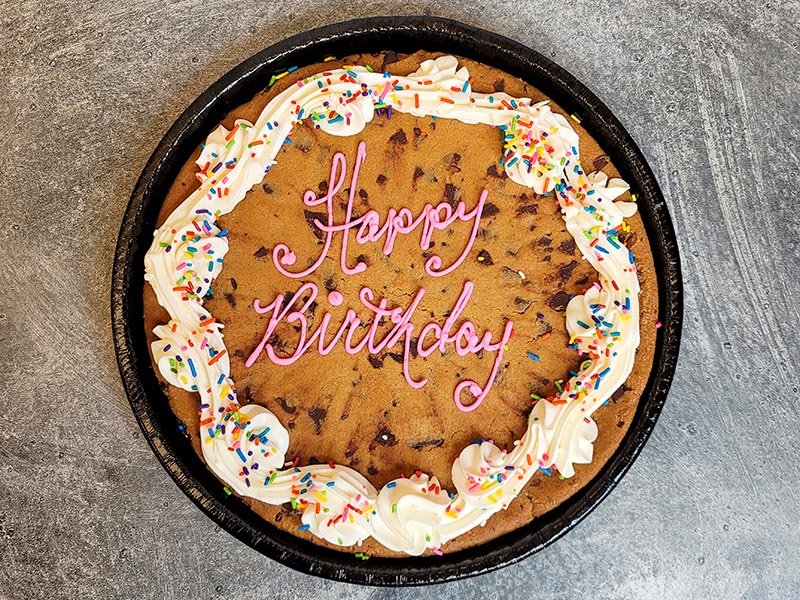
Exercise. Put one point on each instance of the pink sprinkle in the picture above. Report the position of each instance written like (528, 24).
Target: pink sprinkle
(658, 324)
(437, 552)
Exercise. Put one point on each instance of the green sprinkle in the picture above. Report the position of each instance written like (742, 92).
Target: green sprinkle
(227, 490)
(394, 508)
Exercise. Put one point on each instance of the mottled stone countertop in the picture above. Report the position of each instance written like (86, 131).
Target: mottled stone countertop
(711, 509)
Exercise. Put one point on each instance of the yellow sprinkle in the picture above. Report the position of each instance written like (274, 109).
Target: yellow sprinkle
(486, 485)
(633, 197)
(492, 498)
(575, 118)
(328, 58)
(320, 497)
(572, 337)
(480, 259)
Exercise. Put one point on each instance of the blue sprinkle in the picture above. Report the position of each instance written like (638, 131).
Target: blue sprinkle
(532, 356)
(241, 455)
(191, 366)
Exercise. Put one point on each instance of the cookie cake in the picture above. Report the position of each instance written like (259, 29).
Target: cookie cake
(402, 304)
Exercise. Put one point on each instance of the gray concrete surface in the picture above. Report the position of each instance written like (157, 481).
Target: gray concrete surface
(709, 91)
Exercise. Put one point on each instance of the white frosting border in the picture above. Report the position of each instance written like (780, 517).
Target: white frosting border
(245, 446)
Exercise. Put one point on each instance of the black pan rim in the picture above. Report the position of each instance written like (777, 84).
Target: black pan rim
(147, 399)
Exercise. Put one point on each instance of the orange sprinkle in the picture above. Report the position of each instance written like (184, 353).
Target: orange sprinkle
(217, 357)
(416, 100)
(208, 321)
(446, 100)
(232, 132)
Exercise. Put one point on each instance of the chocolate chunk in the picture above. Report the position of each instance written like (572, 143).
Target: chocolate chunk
(231, 299)
(618, 393)
(381, 179)
(583, 280)
(544, 241)
(558, 301)
(499, 85)
(452, 194)
(489, 210)
(485, 258)
(375, 361)
(419, 137)
(286, 405)
(628, 238)
(396, 356)
(565, 270)
(399, 137)
(521, 305)
(388, 58)
(287, 299)
(261, 252)
(318, 416)
(493, 172)
(266, 188)
(363, 258)
(349, 452)
(362, 193)
(418, 172)
(330, 283)
(321, 217)
(385, 437)
(234, 285)
(323, 186)
(427, 444)
(568, 246)
(528, 209)
(239, 353)
(451, 162)
(372, 470)
(600, 162)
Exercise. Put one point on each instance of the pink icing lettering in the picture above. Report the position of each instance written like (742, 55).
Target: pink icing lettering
(368, 228)
(466, 339)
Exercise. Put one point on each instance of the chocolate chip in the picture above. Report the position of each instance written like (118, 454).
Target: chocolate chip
(239, 353)
(427, 444)
(399, 137)
(286, 405)
(318, 416)
(528, 209)
(266, 188)
(493, 172)
(521, 305)
(452, 194)
(418, 172)
(385, 437)
(375, 361)
(485, 258)
(323, 186)
(381, 179)
(372, 470)
(362, 193)
(565, 270)
(349, 452)
(261, 252)
(600, 162)
(388, 58)
(234, 285)
(330, 283)
(568, 246)
(628, 238)
(451, 162)
(489, 210)
(396, 356)
(582, 281)
(499, 85)
(558, 301)
(321, 217)
(231, 299)
(544, 241)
